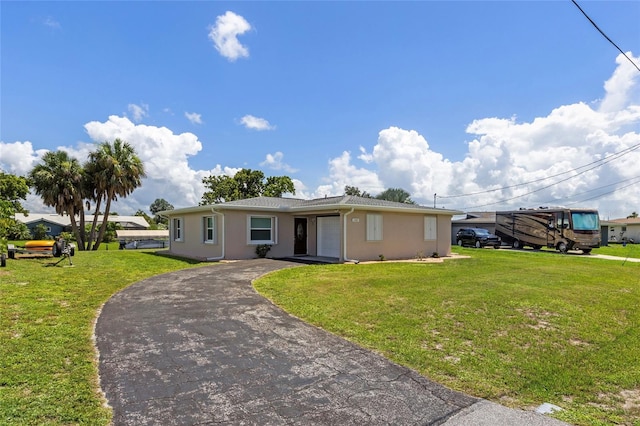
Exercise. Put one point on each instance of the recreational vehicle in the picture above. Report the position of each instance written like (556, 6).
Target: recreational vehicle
(562, 229)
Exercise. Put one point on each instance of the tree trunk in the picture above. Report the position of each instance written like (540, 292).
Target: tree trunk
(92, 233)
(103, 227)
(74, 228)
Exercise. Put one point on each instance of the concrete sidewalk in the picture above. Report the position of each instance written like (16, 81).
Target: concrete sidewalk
(200, 346)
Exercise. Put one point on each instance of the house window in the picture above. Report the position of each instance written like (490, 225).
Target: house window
(374, 227)
(430, 228)
(262, 229)
(209, 229)
(176, 228)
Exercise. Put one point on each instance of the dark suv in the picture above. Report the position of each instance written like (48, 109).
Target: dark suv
(477, 237)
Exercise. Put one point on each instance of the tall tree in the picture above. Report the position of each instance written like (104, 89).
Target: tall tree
(354, 190)
(159, 205)
(632, 215)
(117, 172)
(398, 195)
(58, 180)
(246, 183)
(13, 189)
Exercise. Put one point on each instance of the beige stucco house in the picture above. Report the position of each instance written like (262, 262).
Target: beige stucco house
(621, 230)
(344, 228)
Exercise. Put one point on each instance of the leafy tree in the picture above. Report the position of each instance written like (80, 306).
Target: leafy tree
(354, 190)
(632, 215)
(40, 231)
(17, 230)
(6, 217)
(149, 219)
(13, 189)
(246, 183)
(398, 195)
(59, 181)
(159, 205)
(117, 171)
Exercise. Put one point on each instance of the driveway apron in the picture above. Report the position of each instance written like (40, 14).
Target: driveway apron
(200, 346)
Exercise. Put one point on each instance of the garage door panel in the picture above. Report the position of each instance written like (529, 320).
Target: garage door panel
(329, 236)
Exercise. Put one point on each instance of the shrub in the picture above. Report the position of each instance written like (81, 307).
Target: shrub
(262, 250)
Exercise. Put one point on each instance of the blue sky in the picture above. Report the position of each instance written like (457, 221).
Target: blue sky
(434, 97)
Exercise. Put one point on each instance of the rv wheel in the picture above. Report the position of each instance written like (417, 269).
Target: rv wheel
(562, 247)
(517, 244)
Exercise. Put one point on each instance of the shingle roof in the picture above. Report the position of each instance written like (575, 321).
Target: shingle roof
(343, 201)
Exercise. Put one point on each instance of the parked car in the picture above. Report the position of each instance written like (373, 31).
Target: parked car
(477, 237)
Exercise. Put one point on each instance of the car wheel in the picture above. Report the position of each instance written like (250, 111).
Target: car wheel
(460, 243)
(517, 244)
(478, 245)
(562, 247)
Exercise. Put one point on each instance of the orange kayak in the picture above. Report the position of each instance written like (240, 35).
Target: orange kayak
(39, 245)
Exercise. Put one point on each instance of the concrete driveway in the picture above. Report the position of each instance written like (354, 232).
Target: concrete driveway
(200, 347)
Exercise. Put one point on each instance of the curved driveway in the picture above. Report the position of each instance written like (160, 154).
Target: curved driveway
(200, 346)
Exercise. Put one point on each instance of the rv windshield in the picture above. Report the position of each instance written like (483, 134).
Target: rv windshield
(585, 221)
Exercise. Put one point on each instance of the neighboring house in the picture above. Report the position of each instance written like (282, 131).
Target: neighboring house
(55, 224)
(624, 230)
(345, 228)
(486, 220)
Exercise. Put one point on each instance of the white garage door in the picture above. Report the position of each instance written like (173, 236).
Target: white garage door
(329, 236)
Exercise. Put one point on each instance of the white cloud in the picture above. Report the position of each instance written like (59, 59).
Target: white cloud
(224, 35)
(138, 112)
(51, 23)
(342, 173)
(519, 160)
(256, 123)
(165, 156)
(619, 88)
(18, 158)
(274, 162)
(193, 117)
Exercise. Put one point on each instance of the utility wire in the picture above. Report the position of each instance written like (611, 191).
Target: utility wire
(595, 189)
(603, 194)
(603, 161)
(603, 34)
(552, 184)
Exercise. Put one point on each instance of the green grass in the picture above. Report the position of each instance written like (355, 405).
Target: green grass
(48, 371)
(630, 250)
(518, 328)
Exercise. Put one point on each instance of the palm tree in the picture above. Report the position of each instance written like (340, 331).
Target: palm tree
(58, 180)
(398, 195)
(116, 171)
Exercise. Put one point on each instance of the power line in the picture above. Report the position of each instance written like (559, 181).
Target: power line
(603, 161)
(603, 34)
(573, 196)
(606, 193)
(558, 182)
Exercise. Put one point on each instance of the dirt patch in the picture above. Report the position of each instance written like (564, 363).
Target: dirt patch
(631, 400)
(539, 320)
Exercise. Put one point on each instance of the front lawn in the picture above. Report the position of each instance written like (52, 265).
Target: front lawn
(48, 371)
(629, 250)
(516, 328)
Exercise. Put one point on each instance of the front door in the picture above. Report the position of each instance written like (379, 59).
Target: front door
(300, 232)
